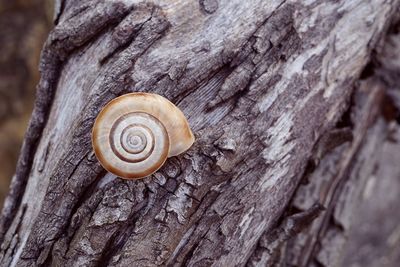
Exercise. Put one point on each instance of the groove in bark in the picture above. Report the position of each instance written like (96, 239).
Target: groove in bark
(324, 242)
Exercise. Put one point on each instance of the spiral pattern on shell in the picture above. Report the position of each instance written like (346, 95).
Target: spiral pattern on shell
(132, 134)
(140, 139)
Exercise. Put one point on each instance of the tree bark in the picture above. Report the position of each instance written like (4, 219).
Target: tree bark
(294, 106)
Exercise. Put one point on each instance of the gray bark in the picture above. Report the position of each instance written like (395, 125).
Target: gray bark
(284, 83)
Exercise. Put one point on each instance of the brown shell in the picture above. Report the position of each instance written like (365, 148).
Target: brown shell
(135, 133)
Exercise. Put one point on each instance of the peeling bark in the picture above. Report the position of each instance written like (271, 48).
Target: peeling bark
(266, 87)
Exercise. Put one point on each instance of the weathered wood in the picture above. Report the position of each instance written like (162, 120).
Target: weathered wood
(374, 236)
(358, 227)
(269, 78)
(325, 184)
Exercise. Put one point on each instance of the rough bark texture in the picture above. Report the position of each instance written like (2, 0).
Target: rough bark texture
(289, 121)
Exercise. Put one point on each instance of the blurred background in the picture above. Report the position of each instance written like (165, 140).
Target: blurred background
(24, 25)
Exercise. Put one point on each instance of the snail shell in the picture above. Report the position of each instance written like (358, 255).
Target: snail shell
(135, 133)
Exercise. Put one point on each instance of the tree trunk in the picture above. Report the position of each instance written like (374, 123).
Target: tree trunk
(295, 108)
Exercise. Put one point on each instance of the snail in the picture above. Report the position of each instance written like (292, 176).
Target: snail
(134, 134)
